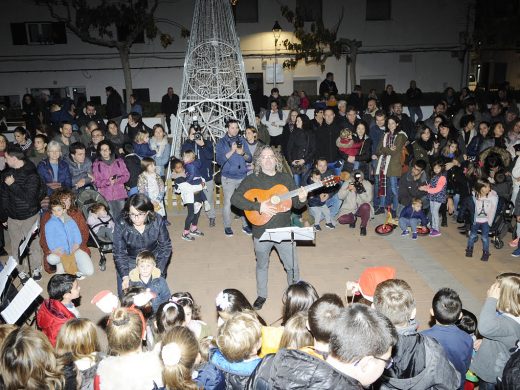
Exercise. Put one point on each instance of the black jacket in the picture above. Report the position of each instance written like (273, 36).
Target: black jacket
(114, 107)
(326, 138)
(420, 363)
(170, 105)
(409, 188)
(293, 369)
(128, 242)
(301, 145)
(20, 200)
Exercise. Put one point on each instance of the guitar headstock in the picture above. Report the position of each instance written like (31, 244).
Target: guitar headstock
(330, 181)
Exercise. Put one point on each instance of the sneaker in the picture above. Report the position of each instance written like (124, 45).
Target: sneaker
(24, 277)
(404, 233)
(363, 231)
(414, 236)
(187, 237)
(352, 225)
(259, 303)
(379, 210)
(102, 264)
(330, 225)
(196, 233)
(228, 232)
(80, 276)
(37, 275)
(317, 228)
(516, 253)
(514, 243)
(247, 230)
(212, 222)
(485, 256)
(435, 233)
(469, 252)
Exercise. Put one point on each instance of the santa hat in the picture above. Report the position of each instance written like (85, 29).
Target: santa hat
(371, 277)
(106, 301)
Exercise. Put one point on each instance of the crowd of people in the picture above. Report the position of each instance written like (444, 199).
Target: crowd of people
(460, 162)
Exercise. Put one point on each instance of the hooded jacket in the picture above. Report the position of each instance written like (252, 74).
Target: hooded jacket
(420, 363)
(20, 199)
(293, 369)
(51, 315)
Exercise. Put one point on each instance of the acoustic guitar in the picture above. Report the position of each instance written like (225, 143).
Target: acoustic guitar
(280, 197)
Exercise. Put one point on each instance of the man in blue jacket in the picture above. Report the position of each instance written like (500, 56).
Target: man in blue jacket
(203, 149)
(232, 156)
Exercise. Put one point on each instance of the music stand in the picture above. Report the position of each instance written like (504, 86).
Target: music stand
(26, 242)
(291, 233)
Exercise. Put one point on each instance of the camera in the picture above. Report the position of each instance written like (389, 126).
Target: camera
(358, 183)
(239, 144)
(197, 136)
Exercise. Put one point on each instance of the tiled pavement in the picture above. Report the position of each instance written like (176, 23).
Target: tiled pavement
(214, 262)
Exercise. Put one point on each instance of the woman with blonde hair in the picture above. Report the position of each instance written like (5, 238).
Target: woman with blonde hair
(78, 338)
(178, 354)
(295, 334)
(129, 367)
(27, 361)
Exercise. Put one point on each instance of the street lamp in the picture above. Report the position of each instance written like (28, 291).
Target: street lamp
(277, 31)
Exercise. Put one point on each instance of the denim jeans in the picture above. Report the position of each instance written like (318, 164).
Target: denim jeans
(486, 385)
(434, 209)
(392, 192)
(412, 222)
(208, 191)
(415, 110)
(334, 204)
(318, 212)
(333, 165)
(229, 186)
(473, 236)
(299, 176)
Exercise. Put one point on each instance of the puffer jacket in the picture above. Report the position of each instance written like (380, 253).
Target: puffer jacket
(80, 171)
(293, 369)
(234, 374)
(20, 199)
(351, 199)
(47, 174)
(51, 315)
(420, 363)
(103, 171)
(128, 242)
(62, 234)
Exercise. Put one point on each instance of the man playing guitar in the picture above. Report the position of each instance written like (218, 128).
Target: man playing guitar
(268, 173)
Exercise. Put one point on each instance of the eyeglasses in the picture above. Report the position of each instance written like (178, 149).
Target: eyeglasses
(138, 215)
(389, 362)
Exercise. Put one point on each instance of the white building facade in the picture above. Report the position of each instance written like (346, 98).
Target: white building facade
(401, 41)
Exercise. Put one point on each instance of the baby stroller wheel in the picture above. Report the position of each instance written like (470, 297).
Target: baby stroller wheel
(499, 244)
(103, 263)
(423, 230)
(384, 229)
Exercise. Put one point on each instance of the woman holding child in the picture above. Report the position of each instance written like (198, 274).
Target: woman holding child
(139, 228)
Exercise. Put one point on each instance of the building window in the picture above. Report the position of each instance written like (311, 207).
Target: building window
(309, 86)
(246, 11)
(379, 9)
(38, 33)
(309, 10)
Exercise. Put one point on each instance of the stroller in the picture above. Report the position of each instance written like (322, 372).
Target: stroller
(85, 199)
(502, 224)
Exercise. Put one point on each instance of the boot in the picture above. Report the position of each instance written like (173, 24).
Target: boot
(444, 221)
(363, 231)
(469, 252)
(485, 256)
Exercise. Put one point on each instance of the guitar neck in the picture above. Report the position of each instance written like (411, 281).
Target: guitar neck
(293, 193)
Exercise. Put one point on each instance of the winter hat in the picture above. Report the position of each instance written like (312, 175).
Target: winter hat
(371, 277)
(106, 301)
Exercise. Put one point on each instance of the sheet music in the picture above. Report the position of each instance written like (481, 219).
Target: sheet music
(22, 301)
(4, 275)
(23, 245)
(284, 234)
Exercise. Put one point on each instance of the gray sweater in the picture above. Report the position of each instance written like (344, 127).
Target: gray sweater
(500, 333)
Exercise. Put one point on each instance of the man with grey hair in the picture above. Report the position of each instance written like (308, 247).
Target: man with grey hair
(267, 173)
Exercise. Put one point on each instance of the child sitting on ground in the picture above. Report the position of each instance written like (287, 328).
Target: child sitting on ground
(101, 222)
(59, 308)
(317, 203)
(410, 216)
(63, 239)
(191, 198)
(238, 341)
(148, 276)
(348, 145)
(458, 345)
(192, 314)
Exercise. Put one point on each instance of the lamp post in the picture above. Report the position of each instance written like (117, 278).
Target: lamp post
(277, 31)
